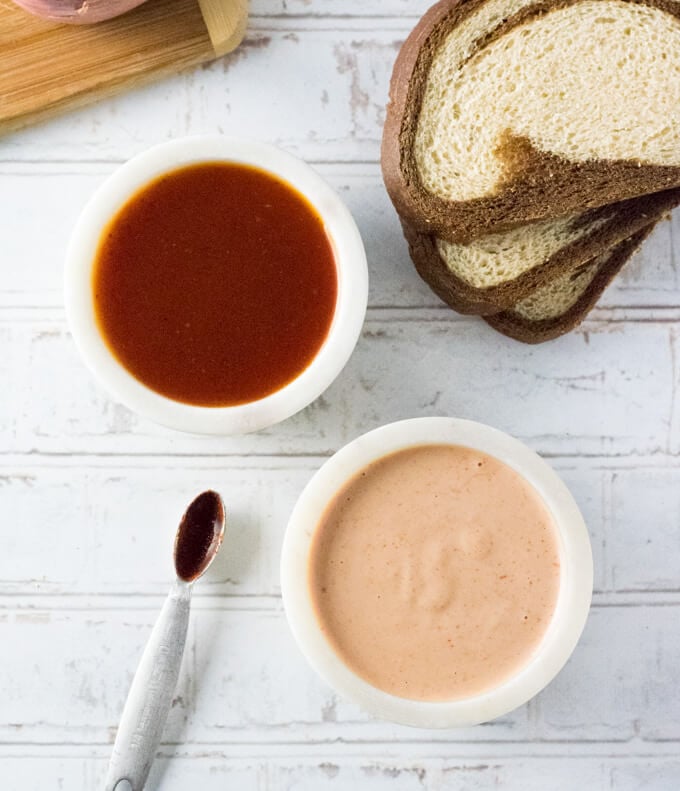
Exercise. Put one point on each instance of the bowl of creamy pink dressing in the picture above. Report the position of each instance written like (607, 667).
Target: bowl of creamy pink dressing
(437, 572)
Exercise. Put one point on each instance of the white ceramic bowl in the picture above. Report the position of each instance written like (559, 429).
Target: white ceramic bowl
(350, 309)
(573, 599)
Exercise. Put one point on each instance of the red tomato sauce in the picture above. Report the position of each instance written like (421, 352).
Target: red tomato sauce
(215, 284)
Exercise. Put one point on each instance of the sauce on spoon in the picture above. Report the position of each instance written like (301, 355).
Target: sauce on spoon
(199, 535)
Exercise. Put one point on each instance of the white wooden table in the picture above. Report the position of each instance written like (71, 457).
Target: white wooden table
(90, 494)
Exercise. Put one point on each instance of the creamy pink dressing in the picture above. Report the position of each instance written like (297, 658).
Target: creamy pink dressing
(434, 572)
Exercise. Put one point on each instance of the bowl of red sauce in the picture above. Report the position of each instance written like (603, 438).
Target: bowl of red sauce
(216, 285)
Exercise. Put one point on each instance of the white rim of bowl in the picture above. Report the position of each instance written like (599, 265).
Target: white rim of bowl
(573, 601)
(350, 308)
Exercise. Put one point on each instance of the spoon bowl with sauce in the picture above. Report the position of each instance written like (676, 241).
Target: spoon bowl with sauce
(198, 539)
(215, 285)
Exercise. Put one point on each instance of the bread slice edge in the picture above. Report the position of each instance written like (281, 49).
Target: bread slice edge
(514, 325)
(621, 221)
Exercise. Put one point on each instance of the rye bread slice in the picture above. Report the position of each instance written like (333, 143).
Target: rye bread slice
(536, 184)
(559, 307)
(590, 234)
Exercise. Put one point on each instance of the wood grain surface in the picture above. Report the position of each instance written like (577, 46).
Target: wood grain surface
(90, 494)
(49, 68)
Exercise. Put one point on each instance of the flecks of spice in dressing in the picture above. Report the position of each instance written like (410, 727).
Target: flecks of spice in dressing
(434, 572)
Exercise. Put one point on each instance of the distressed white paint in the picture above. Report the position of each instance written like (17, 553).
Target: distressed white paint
(120, 515)
(215, 772)
(317, 88)
(255, 687)
(604, 389)
(58, 192)
(89, 494)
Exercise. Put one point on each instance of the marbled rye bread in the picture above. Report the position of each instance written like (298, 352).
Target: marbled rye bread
(503, 112)
(494, 272)
(557, 308)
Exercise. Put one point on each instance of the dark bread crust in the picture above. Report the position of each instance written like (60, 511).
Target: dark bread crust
(451, 289)
(627, 218)
(539, 185)
(521, 329)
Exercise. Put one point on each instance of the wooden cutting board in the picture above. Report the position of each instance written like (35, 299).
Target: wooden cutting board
(47, 68)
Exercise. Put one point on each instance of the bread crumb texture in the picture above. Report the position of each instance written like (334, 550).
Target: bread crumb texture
(559, 296)
(595, 80)
(502, 257)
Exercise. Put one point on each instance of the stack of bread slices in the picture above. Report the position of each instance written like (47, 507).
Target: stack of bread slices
(529, 148)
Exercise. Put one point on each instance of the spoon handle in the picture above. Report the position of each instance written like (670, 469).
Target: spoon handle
(150, 696)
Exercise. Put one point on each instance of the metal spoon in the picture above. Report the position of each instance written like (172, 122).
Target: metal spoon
(198, 538)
